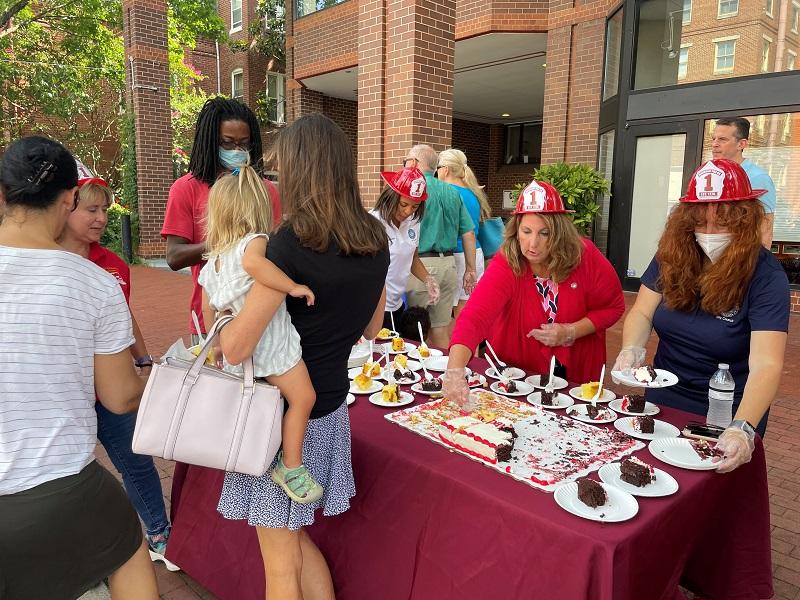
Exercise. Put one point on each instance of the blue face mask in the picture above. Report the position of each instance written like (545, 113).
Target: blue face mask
(231, 159)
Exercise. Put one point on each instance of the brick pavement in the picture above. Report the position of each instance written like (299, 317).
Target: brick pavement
(160, 300)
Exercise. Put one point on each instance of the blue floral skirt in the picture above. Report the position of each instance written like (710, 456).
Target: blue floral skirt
(326, 454)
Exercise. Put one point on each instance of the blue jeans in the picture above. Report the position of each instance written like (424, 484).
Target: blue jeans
(138, 472)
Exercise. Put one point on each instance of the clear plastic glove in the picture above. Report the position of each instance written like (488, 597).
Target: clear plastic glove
(554, 334)
(433, 290)
(629, 358)
(737, 449)
(470, 280)
(454, 386)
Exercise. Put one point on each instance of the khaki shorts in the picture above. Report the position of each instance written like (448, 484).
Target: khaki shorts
(443, 269)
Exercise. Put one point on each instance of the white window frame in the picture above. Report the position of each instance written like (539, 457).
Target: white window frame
(791, 57)
(237, 26)
(717, 42)
(721, 15)
(765, 59)
(768, 8)
(234, 74)
(686, 16)
(760, 124)
(280, 99)
(686, 64)
(795, 16)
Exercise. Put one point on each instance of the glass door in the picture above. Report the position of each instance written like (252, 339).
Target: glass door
(658, 160)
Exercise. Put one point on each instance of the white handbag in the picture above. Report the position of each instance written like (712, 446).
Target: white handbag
(201, 415)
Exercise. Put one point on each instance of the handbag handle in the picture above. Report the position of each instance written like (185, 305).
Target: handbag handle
(190, 379)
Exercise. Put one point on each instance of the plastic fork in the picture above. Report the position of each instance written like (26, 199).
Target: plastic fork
(502, 377)
(497, 358)
(391, 318)
(599, 387)
(550, 386)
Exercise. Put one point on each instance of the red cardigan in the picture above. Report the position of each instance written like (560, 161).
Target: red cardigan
(504, 308)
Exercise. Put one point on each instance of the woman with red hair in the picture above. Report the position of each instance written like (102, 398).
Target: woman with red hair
(714, 295)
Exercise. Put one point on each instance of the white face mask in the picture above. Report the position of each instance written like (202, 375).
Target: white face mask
(713, 244)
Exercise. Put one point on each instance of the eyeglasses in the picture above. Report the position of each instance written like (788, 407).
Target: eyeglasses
(227, 145)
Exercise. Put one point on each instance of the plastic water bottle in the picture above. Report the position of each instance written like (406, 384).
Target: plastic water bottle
(720, 397)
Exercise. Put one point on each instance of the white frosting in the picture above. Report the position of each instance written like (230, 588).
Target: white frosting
(474, 436)
(642, 374)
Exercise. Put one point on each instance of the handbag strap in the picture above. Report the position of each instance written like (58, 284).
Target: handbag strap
(190, 379)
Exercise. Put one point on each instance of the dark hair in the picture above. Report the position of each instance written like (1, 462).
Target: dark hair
(204, 161)
(319, 192)
(407, 328)
(387, 205)
(741, 124)
(35, 170)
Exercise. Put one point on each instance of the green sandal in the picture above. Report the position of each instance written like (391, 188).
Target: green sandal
(298, 483)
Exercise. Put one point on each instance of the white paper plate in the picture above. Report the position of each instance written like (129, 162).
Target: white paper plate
(510, 373)
(620, 505)
(407, 348)
(352, 373)
(417, 388)
(392, 334)
(387, 374)
(434, 352)
(663, 379)
(350, 399)
(436, 363)
(558, 382)
(578, 412)
(649, 408)
(606, 396)
(661, 429)
(411, 364)
(405, 398)
(679, 453)
(375, 387)
(359, 354)
(562, 401)
(523, 389)
(480, 382)
(664, 485)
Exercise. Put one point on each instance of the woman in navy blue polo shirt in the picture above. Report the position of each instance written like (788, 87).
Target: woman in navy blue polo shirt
(714, 295)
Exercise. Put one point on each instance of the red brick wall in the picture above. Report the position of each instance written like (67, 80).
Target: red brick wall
(345, 113)
(326, 40)
(795, 299)
(482, 16)
(145, 36)
(472, 138)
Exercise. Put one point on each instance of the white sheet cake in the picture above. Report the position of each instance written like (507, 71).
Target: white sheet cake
(550, 449)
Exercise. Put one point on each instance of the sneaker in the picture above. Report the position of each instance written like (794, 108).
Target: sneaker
(157, 546)
(298, 483)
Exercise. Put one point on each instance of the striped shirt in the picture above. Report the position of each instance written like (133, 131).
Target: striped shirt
(57, 310)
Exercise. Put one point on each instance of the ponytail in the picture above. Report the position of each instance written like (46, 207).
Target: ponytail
(472, 184)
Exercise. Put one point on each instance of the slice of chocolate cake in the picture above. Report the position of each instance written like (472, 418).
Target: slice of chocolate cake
(633, 403)
(548, 398)
(432, 385)
(644, 424)
(591, 493)
(544, 379)
(592, 411)
(704, 450)
(638, 473)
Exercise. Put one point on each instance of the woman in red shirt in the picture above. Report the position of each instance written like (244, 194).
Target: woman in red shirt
(548, 292)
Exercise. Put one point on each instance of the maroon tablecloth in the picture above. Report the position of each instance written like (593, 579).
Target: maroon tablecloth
(428, 523)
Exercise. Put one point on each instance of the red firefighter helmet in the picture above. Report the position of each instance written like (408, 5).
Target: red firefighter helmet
(540, 197)
(409, 183)
(85, 175)
(720, 180)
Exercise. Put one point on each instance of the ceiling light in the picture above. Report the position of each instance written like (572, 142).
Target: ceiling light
(505, 115)
(544, 64)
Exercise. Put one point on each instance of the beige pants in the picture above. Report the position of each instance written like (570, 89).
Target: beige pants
(443, 269)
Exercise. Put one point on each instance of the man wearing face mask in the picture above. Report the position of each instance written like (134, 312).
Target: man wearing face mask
(714, 295)
(227, 136)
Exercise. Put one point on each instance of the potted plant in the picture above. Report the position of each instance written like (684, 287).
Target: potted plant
(579, 186)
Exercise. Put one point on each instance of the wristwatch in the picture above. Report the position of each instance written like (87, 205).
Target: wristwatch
(746, 427)
(144, 361)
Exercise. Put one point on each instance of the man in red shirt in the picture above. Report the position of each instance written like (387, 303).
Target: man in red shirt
(227, 135)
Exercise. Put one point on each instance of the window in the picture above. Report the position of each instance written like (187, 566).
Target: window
(795, 20)
(613, 51)
(768, 7)
(765, 44)
(687, 12)
(276, 93)
(791, 59)
(724, 55)
(728, 8)
(524, 144)
(605, 164)
(306, 7)
(236, 15)
(683, 63)
(237, 84)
